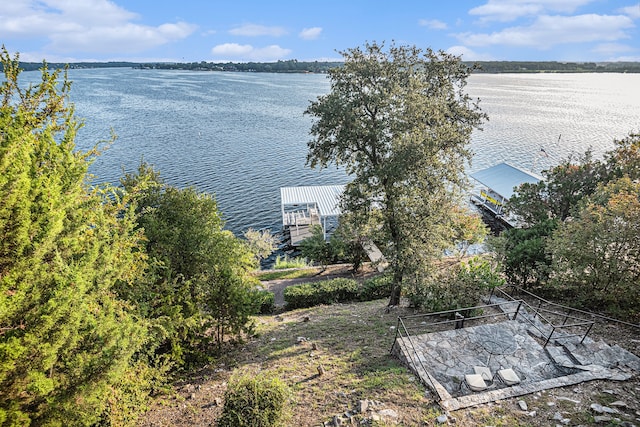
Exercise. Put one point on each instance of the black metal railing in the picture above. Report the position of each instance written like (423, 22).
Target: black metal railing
(419, 323)
(559, 329)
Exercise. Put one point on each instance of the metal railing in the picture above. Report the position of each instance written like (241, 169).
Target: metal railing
(571, 309)
(558, 330)
(411, 352)
(402, 331)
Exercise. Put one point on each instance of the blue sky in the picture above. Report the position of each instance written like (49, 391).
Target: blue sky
(263, 30)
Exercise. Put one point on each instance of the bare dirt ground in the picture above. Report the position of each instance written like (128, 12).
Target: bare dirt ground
(352, 342)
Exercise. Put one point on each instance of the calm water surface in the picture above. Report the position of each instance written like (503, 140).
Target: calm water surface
(242, 136)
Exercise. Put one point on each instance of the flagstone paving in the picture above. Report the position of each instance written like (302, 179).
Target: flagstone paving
(442, 359)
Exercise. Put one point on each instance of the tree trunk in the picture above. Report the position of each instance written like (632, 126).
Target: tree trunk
(396, 288)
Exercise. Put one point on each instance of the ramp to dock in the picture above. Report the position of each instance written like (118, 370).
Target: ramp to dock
(375, 255)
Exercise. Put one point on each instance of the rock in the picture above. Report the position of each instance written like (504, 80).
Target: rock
(321, 370)
(618, 404)
(602, 418)
(611, 392)
(532, 413)
(306, 319)
(523, 405)
(441, 419)
(566, 399)
(596, 407)
(550, 404)
(192, 396)
(337, 421)
(389, 413)
(558, 417)
(217, 401)
(363, 406)
(314, 346)
(301, 340)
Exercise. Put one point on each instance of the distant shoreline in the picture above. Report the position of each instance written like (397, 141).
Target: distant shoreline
(303, 67)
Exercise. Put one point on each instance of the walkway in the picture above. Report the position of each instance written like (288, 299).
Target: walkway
(441, 360)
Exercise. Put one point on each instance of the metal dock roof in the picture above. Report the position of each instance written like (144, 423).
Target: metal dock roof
(503, 178)
(327, 197)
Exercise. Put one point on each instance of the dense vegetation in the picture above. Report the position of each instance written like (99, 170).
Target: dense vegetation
(103, 291)
(337, 290)
(68, 344)
(557, 67)
(580, 236)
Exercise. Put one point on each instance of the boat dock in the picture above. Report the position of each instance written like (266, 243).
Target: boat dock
(306, 206)
(498, 184)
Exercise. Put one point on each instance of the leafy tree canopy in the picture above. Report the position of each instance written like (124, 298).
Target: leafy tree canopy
(596, 255)
(399, 122)
(581, 230)
(199, 291)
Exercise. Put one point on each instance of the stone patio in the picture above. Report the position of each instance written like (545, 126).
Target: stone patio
(441, 360)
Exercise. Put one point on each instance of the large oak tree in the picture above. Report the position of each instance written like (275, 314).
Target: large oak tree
(399, 121)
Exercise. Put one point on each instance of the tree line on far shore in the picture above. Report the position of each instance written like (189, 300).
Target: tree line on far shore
(295, 66)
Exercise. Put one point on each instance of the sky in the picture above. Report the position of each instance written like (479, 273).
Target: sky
(317, 30)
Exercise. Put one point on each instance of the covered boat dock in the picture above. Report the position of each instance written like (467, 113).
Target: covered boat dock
(305, 206)
(499, 183)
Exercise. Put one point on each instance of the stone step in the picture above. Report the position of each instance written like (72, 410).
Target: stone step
(560, 356)
(600, 353)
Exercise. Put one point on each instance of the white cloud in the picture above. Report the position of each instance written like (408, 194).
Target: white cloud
(468, 54)
(247, 52)
(310, 33)
(125, 37)
(548, 31)
(612, 48)
(509, 10)
(253, 30)
(232, 49)
(632, 12)
(95, 26)
(433, 24)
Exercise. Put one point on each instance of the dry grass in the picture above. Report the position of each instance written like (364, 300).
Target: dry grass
(353, 343)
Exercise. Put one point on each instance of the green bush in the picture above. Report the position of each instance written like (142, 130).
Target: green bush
(267, 301)
(286, 262)
(337, 290)
(458, 287)
(324, 292)
(255, 401)
(376, 288)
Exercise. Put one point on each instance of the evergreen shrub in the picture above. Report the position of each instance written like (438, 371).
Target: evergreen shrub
(323, 292)
(267, 301)
(255, 401)
(337, 290)
(377, 287)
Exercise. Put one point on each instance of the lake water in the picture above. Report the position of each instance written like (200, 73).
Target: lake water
(242, 136)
